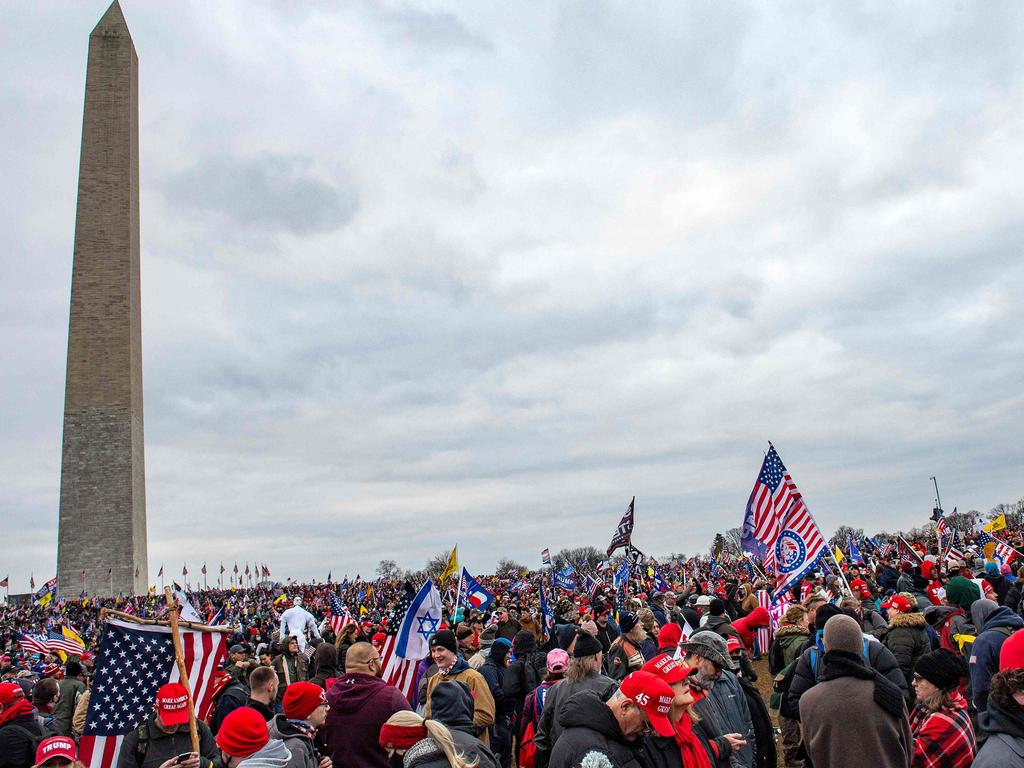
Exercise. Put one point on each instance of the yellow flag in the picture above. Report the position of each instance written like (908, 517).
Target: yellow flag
(452, 567)
(70, 634)
(996, 525)
(281, 599)
(839, 556)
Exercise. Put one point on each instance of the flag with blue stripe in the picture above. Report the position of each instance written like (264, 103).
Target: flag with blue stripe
(420, 624)
(473, 593)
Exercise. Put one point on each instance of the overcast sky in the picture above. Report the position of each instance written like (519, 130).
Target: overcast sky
(416, 274)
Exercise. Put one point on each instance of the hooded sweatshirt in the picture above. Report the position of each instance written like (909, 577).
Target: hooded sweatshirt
(1004, 724)
(451, 704)
(588, 725)
(298, 742)
(360, 704)
(273, 755)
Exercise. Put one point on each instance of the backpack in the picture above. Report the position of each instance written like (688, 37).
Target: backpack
(814, 659)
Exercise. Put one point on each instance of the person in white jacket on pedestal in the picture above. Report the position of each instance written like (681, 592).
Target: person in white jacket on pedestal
(296, 620)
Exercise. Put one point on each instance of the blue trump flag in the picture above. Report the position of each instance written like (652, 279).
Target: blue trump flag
(855, 558)
(564, 579)
(420, 624)
(621, 575)
(546, 614)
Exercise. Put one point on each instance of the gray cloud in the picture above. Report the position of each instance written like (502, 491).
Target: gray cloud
(265, 193)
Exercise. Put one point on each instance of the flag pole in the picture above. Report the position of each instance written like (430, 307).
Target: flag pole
(458, 594)
(938, 506)
(179, 658)
(914, 551)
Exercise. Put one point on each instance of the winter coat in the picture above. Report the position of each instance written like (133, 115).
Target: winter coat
(160, 745)
(325, 664)
(495, 677)
(887, 578)
(16, 748)
(483, 710)
(907, 640)
(290, 669)
(298, 743)
(840, 718)
(525, 673)
(550, 728)
(872, 623)
(71, 690)
(943, 739)
(789, 639)
(606, 636)
(624, 657)
(588, 725)
(231, 697)
(879, 658)
(726, 706)
(359, 705)
(984, 660)
(452, 706)
(765, 755)
(747, 627)
(1004, 724)
(507, 629)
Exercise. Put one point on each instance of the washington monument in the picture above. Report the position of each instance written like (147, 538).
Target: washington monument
(102, 539)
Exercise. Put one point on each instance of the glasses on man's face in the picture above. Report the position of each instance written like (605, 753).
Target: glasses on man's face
(917, 678)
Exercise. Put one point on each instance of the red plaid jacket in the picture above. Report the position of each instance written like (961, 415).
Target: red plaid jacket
(943, 739)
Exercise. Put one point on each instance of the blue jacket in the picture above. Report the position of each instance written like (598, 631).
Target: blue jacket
(984, 660)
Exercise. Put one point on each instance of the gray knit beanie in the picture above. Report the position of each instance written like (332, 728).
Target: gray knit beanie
(843, 634)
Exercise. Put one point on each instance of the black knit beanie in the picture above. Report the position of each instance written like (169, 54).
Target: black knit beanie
(586, 645)
(824, 613)
(941, 668)
(446, 639)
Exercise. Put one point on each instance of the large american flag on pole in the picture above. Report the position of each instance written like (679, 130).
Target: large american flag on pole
(778, 525)
(133, 662)
(395, 670)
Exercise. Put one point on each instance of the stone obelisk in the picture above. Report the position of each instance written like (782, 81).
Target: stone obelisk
(102, 479)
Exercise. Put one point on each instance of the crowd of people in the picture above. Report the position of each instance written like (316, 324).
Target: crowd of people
(899, 661)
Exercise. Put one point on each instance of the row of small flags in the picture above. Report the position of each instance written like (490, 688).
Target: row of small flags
(259, 570)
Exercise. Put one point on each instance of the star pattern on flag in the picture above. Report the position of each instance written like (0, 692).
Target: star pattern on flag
(133, 665)
(427, 625)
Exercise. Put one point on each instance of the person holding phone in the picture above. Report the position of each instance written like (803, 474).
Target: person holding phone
(163, 739)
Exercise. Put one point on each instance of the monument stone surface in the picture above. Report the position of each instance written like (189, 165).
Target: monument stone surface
(102, 482)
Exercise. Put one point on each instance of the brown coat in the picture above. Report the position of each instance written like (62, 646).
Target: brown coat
(483, 701)
(840, 719)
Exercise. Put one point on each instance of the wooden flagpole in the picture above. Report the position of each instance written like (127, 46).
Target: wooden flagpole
(179, 656)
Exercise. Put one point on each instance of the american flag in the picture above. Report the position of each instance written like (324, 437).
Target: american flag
(340, 617)
(395, 670)
(1002, 551)
(886, 549)
(132, 663)
(33, 643)
(778, 520)
(956, 549)
(58, 642)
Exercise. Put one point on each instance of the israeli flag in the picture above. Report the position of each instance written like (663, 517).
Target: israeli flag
(420, 624)
(473, 594)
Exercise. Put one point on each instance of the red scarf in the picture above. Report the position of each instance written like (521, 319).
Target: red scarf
(690, 747)
(22, 707)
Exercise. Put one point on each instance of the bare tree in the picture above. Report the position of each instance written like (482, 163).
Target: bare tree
(733, 541)
(436, 565)
(578, 557)
(507, 565)
(844, 533)
(388, 569)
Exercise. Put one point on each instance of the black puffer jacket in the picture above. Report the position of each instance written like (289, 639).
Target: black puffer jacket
(908, 640)
(588, 725)
(879, 658)
(16, 746)
(525, 673)
(764, 733)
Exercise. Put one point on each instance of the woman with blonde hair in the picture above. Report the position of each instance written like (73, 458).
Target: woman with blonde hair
(421, 743)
